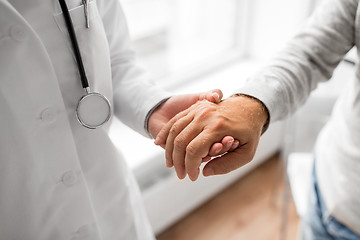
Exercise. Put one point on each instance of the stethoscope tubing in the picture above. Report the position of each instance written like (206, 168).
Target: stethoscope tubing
(74, 42)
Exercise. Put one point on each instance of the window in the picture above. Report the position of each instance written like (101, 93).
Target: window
(176, 36)
(192, 37)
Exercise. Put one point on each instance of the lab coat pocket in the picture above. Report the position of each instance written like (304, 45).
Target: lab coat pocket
(93, 46)
(77, 15)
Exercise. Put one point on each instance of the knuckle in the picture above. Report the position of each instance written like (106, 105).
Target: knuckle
(174, 129)
(191, 150)
(205, 111)
(219, 124)
(179, 143)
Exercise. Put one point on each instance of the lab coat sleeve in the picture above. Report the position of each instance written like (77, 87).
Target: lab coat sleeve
(309, 58)
(134, 95)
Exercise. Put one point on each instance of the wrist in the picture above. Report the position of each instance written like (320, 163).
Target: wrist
(151, 118)
(261, 110)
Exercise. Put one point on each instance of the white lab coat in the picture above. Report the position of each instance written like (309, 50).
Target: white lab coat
(59, 180)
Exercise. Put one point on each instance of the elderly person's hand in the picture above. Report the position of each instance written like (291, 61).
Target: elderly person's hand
(191, 133)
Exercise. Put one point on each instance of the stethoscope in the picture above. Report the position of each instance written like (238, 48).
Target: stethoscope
(93, 109)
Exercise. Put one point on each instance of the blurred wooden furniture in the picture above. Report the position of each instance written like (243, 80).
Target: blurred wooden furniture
(258, 207)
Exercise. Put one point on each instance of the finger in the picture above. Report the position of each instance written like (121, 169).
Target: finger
(179, 144)
(228, 162)
(219, 148)
(176, 128)
(164, 132)
(223, 147)
(197, 149)
(235, 145)
(214, 96)
(188, 133)
(227, 142)
(215, 149)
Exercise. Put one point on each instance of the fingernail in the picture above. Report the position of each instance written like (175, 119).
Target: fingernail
(217, 151)
(216, 96)
(157, 140)
(208, 172)
(230, 143)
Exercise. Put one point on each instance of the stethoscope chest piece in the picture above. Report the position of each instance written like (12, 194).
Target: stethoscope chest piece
(93, 110)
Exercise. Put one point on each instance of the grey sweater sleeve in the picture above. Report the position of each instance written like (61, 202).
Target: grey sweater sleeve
(309, 58)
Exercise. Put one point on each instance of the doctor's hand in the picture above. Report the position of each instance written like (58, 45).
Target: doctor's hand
(191, 133)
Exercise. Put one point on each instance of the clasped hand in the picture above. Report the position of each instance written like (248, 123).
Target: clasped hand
(203, 131)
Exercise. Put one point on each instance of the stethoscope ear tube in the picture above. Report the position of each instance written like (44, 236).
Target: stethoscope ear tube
(93, 109)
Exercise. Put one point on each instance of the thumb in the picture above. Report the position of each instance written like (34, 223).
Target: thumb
(214, 96)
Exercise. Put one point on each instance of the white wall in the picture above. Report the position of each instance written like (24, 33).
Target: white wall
(273, 22)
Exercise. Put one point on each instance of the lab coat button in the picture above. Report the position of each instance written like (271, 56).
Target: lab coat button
(48, 115)
(18, 33)
(69, 178)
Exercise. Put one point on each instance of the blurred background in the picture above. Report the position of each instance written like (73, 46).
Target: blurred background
(197, 45)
